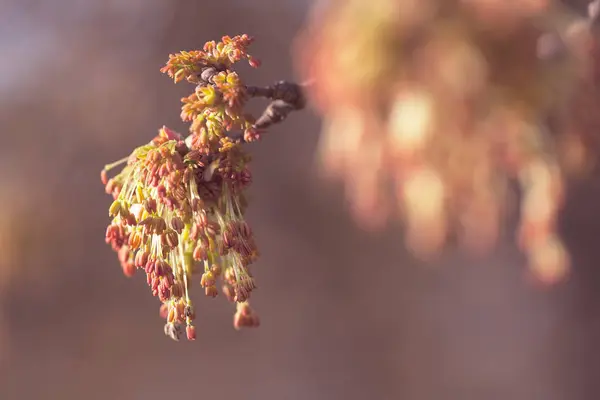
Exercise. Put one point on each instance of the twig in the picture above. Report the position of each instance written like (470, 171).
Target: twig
(286, 97)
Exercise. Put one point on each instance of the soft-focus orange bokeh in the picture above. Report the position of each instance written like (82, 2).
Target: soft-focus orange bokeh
(345, 314)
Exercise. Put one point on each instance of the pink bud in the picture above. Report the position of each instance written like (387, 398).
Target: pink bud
(128, 269)
(103, 177)
(190, 332)
(254, 62)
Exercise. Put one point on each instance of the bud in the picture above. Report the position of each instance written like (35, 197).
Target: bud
(150, 205)
(212, 228)
(163, 292)
(159, 225)
(208, 279)
(163, 311)
(177, 290)
(128, 269)
(170, 239)
(110, 186)
(159, 268)
(115, 208)
(254, 62)
(103, 177)
(135, 240)
(171, 315)
(190, 331)
(150, 266)
(177, 225)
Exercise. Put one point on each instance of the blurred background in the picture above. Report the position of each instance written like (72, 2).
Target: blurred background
(345, 314)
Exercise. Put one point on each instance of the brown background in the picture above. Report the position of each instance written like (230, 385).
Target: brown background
(345, 314)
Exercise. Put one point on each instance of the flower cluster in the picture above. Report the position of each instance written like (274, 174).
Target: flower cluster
(446, 103)
(179, 204)
(190, 64)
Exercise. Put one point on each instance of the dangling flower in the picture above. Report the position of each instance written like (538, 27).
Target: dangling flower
(179, 203)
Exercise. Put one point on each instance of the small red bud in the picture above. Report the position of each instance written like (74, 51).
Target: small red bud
(254, 62)
(190, 331)
(163, 312)
(103, 177)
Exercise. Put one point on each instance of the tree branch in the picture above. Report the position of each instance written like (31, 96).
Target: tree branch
(286, 97)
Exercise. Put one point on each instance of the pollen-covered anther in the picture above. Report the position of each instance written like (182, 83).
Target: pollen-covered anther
(180, 311)
(177, 290)
(104, 177)
(159, 267)
(150, 266)
(150, 205)
(202, 219)
(208, 279)
(169, 279)
(229, 275)
(147, 224)
(163, 311)
(128, 269)
(212, 229)
(115, 208)
(141, 258)
(110, 186)
(154, 284)
(190, 332)
(244, 230)
(216, 270)
(135, 240)
(170, 314)
(170, 239)
(177, 224)
(161, 191)
(159, 225)
(164, 293)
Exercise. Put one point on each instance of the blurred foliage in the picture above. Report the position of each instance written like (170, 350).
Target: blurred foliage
(346, 314)
(447, 104)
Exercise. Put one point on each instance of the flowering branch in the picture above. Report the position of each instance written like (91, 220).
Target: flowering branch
(179, 203)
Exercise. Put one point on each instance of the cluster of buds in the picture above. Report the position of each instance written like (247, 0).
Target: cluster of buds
(178, 210)
(445, 103)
